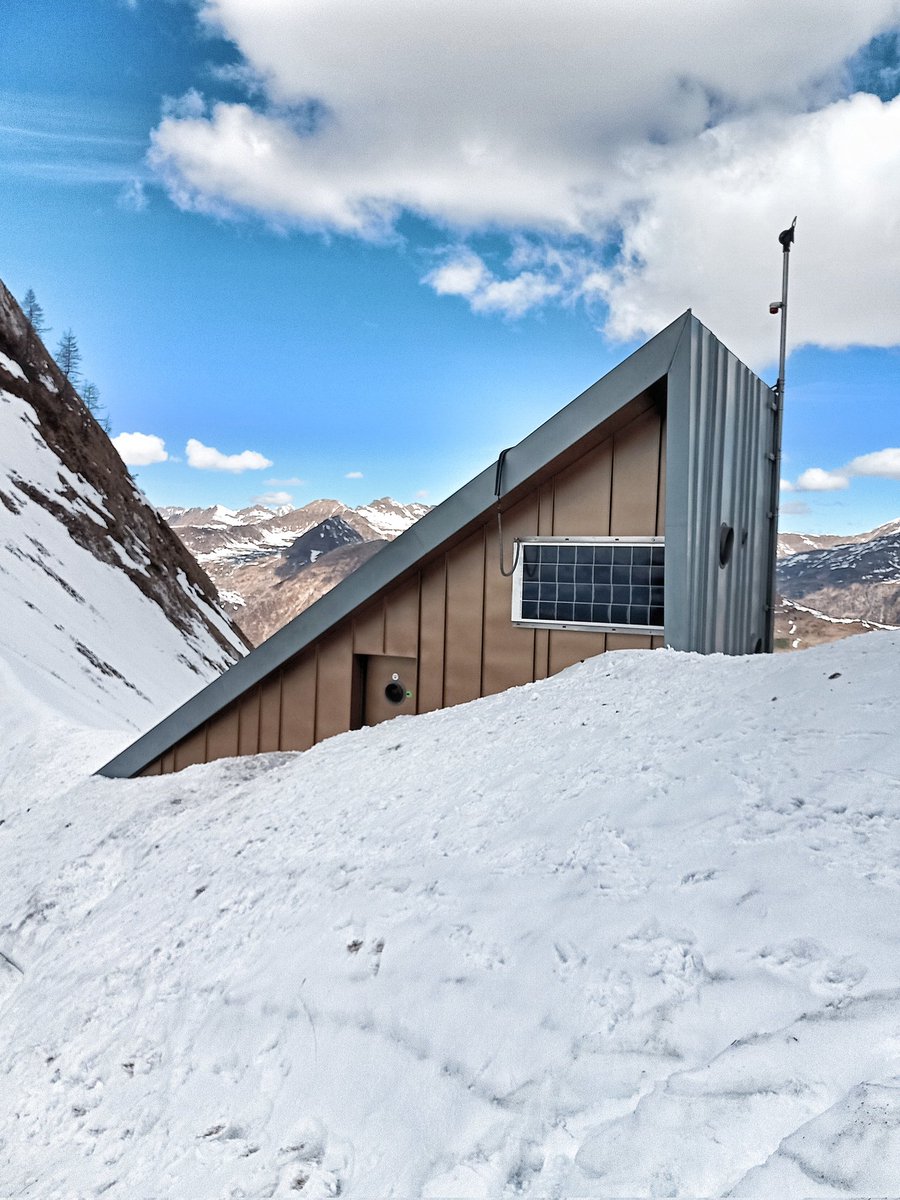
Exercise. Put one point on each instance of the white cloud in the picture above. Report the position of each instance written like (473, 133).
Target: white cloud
(817, 480)
(185, 107)
(882, 463)
(132, 196)
(354, 475)
(274, 499)
(140, 449)
(463, 275)
(422, 494)
(207, 458)
(674, 159)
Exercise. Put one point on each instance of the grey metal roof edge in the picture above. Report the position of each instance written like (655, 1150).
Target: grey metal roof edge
(642, 368)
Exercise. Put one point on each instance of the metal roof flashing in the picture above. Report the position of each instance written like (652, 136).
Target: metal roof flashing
(642, 369)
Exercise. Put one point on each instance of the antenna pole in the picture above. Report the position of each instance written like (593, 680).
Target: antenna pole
(786, 240)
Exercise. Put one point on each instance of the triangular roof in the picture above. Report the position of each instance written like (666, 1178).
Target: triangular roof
(645, 367)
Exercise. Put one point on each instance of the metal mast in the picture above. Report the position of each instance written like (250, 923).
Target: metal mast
(786, 239)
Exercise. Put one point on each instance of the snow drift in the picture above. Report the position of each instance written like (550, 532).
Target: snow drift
(631, 931)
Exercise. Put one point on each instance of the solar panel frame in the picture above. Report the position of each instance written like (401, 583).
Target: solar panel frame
(592, 584)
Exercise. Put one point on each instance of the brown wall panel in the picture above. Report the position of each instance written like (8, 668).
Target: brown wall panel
(508, 652)
(463, 620)
(298, 702)
(635, 478)
(401, 619)
(629, 641)
(334, 684)
(154, 768)
(168, 762)
(248, 735)
(368, 630)
(657, 642)
(581, 494)
(270, 713)
(222, 734)
(432, 598)
(568, 647)
(661, 499)
(191, 750)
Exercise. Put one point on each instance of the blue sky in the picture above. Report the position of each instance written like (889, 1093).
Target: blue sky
(374, 250)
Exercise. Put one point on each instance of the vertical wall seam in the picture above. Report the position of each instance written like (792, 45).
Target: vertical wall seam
(444, 632)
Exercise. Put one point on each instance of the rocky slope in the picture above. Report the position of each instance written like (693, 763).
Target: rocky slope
(101, 608)
(270, 565)
(857, 579)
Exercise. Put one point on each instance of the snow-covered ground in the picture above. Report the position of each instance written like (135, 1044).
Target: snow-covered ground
(631, 931)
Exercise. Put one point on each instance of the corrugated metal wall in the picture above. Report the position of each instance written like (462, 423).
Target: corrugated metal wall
(720, 469)
(452, 616)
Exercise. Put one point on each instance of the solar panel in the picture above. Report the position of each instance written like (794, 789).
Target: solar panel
(591, 583)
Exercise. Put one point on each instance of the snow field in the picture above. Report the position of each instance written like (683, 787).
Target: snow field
(631, 931)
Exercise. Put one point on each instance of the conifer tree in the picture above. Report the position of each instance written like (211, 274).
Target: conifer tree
(37, 327)
(90, 394)
(68, 356)
(33, 311)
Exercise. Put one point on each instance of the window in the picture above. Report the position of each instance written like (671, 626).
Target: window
(591, 583)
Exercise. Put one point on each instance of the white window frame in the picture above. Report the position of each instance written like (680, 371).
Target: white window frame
(584, 627)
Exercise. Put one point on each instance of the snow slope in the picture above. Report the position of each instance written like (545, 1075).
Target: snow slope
(102, 613)
(631, 931)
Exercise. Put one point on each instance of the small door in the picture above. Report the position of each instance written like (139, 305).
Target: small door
(389, 688)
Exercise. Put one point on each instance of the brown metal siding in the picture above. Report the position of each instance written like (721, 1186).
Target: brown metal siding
(401, 620)
(432, 608)
(222, 734)
(508, 654)
(453, 614)
(334, 684)
(248, 732)
(368, 630)
(635, 483)
(270, 714)
(298, 702)
(463, 621)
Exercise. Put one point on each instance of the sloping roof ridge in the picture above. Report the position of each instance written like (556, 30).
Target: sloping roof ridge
(643, 367)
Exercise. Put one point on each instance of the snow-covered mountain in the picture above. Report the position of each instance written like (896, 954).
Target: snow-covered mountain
(220, 535)
(328, 535)
(630, 931)
(102, 612)
(801, 543)
(303, 552)
(857, 579)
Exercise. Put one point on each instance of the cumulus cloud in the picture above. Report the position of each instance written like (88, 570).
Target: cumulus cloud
(465, 274)
(883, 463)
(274, 499)
(669, 160)
(354, 475)
(817, 480)
(140, 449)
(207, 458)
